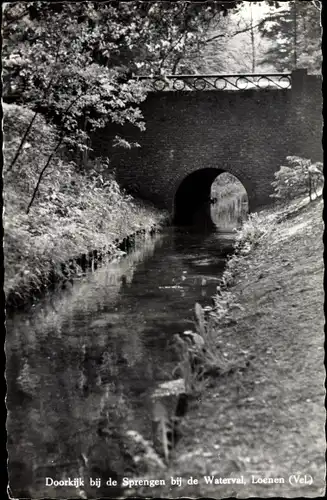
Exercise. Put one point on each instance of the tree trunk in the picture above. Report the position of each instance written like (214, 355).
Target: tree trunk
(61, 138)
(42, 172)
(47, 89)
(176, 63)
(252, 41)
(295, 33)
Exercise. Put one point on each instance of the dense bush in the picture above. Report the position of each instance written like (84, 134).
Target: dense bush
(299, 177)
(72, 214)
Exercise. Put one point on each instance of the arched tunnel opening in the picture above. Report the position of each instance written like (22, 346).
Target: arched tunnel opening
(231, 203)
(205, 196)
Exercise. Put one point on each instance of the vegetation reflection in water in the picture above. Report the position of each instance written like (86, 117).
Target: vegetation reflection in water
(230, 212)
(231, 205)
(82, 363)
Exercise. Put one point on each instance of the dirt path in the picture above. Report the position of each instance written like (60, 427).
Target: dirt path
(269, 420)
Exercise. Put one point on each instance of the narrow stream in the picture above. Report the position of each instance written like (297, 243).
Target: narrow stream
(82, 362)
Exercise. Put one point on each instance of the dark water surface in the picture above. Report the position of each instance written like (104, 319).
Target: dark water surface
(82, 362)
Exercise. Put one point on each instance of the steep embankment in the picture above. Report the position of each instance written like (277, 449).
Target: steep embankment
(268, 420)
(77, 209)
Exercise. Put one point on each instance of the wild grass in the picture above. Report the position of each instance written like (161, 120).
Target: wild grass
(253, 421)
(74, 212)
(256, 227)
(200, 353)
(211, 320)
(198, 360)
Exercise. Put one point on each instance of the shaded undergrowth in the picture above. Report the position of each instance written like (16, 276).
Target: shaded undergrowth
(78, 215)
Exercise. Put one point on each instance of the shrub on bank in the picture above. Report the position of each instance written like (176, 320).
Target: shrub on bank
(255, 228)
(299, 177)
(73, 213)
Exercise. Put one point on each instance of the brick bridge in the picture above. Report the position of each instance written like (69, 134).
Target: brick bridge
(200, 126)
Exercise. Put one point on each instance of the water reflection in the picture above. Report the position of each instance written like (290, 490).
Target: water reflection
(230, 212)
(81, 364)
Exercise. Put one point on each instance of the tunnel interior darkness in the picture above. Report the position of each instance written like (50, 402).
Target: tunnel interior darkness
(192, 199)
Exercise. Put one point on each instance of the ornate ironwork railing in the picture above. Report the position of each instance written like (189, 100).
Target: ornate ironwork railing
(217, 82)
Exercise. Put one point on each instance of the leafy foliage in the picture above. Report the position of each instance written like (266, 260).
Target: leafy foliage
(75, 62)
(221, 50)
(73, 212)
(234, 43)
(53, 62)
(199, 353)
(144, 453)
(299, 177)
(294, 33)
(55, 51)
(227, 185)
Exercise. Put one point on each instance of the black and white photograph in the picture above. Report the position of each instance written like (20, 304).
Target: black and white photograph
(163, 249)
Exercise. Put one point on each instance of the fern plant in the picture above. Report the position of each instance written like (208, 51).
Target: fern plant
(162, 430)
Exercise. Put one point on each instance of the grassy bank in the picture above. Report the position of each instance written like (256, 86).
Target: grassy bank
(262, 414)
(76, 210)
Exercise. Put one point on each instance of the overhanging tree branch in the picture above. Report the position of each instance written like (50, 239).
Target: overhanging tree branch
(247, 28)
(60, 140)
(15, 20)
(42, 172)
(27, 131)
(171, 48)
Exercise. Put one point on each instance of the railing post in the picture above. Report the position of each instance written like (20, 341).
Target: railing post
(303, 111)
(299, 79)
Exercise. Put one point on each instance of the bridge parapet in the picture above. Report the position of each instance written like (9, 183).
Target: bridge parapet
(197, 134)
(218, 82)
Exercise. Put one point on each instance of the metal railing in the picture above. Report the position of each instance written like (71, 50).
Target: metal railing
(217, 82)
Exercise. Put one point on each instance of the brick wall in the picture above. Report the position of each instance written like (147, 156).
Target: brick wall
(247, 133)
